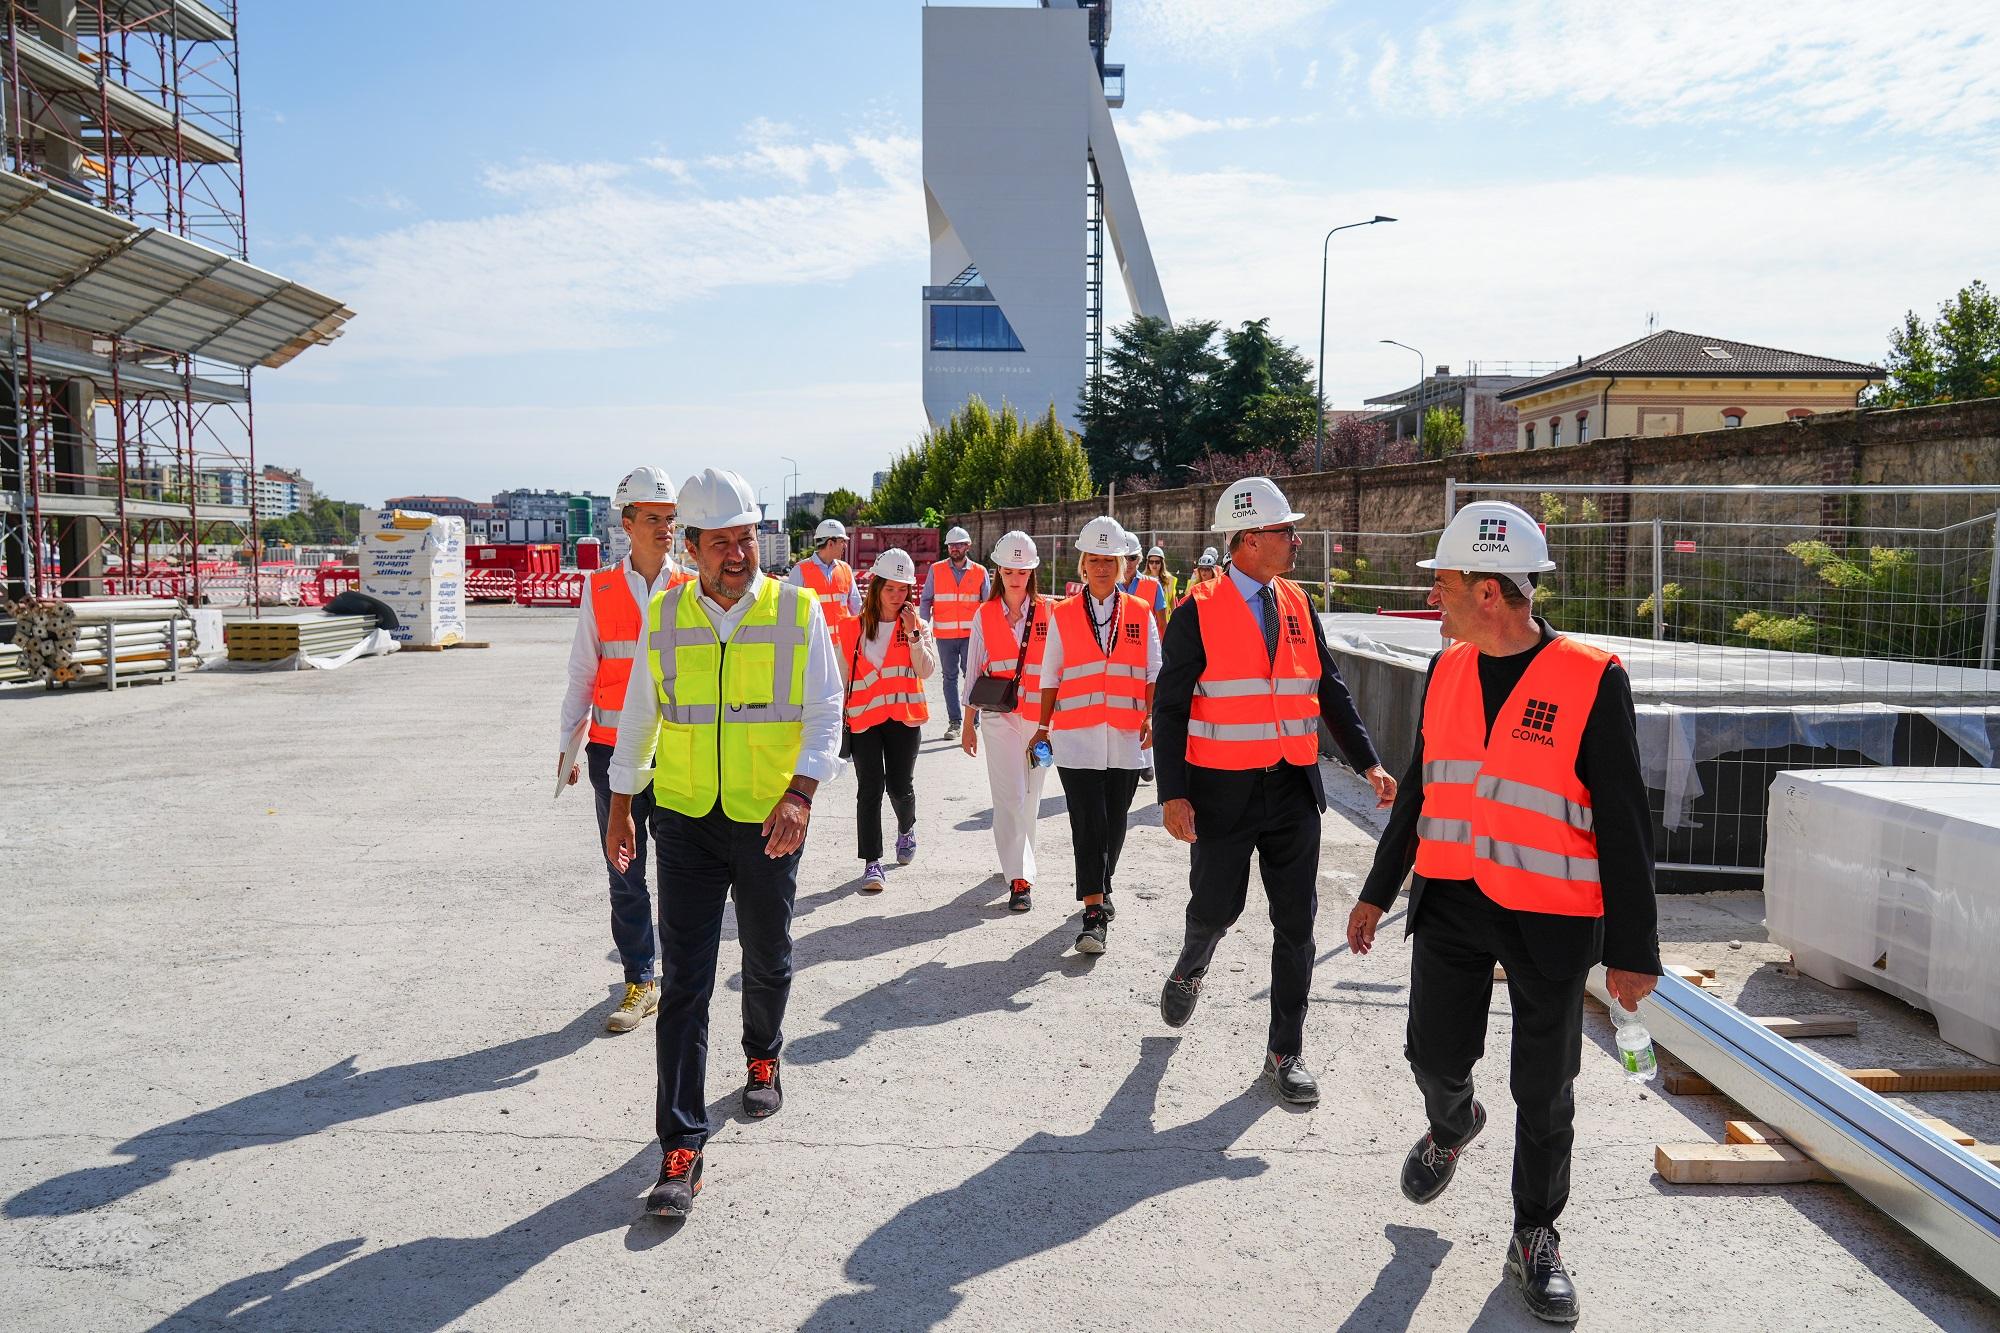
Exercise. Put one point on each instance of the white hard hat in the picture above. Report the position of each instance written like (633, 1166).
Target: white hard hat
(1101, 536)
(831, 530)
(1209, 558)
(896, 566)
(1159, 551)
(1132, 543)
(957, 535)
(1254, 502)
(644, 486)
(714, 498)
(1492, 537)
(1017, 550)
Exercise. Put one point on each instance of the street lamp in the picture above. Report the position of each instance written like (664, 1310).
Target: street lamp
(784, 500)
(1420, 391)
(1319, 407)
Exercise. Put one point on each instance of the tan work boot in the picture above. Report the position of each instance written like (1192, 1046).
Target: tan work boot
(640, 1000)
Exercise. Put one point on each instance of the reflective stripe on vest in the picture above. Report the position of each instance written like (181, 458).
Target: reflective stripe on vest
(1508, 812)
(731, 715)
(1250, 710)
(618, 619)
(954, 598)
(889, 692)
(1095, 691)
(995, 632)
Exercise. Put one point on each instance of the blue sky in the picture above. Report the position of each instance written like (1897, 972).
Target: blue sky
(693, 235)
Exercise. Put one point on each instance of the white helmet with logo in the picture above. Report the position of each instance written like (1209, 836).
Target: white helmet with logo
(1101, 536)
(957, 535)
(644, 486)
(829, 531)
(1254, 502)
(896, 566)
(1017, 550)
(1209, 558)
(715, 498)
(1492, 537)
(1159, 551)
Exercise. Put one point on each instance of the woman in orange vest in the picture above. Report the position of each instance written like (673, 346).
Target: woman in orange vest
(1098, 670)
(609, 621)
(892, 659)
(1525, 816)
(1008, 638)
(953, 591)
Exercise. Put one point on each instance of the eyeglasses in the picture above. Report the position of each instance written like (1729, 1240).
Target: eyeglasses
(1290, 532)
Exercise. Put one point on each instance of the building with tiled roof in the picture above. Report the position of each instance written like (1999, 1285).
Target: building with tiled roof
(1673, 383)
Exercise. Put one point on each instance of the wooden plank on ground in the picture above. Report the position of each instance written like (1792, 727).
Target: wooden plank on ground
(1685, 1083)
(1693, 976)
(1946, 1129)
(1946, 1079)
(1750, 1131)
(1735, 1164)
(1795, 1026)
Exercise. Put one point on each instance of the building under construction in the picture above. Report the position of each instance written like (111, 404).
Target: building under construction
(133, 319)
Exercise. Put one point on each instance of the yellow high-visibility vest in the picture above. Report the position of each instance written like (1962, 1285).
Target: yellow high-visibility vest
(732, 715)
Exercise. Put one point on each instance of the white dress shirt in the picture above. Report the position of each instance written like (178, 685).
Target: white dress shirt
(976, 656)
(639, 724)
(1101, 746)
(584, 647)
(923, 649)
(1252, 594)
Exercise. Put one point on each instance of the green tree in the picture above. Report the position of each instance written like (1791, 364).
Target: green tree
(1953, 359)
(982, 460)
(896, 499)
(1444, 432)
(844, 505)
(1147, 412)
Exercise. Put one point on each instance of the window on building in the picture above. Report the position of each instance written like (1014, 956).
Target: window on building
(1582, 427)
(1732, 417)
(1555, 431)
(957, 327)
(1798, 413)
(1531, 434)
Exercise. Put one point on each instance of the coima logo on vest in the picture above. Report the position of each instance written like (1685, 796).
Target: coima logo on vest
(1492, 535)
(1536, 723)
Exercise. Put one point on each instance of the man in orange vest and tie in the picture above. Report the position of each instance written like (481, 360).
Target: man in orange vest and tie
(1245, 683)
(827, 573)
(1524, 815)
(608, 625)
(953, 590)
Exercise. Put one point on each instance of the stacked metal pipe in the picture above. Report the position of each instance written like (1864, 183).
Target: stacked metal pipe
(69, 643)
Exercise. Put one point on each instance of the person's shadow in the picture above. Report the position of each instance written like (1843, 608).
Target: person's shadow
(1400, 1286)
(933, 993)
(1049, 1191)
(433, 1282)
(865, 937)
(334, 1096)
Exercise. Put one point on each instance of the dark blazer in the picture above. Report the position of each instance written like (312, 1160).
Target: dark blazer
(1219, 795)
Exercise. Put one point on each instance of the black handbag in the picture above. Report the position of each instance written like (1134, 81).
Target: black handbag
(1002, 694)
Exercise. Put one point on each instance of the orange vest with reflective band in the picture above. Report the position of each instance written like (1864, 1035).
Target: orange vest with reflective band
(619, 620)
(887, 693)
(1509, 813)
(954, 599)
(1096, 691)
(842, 623)
(1144, 587)
(1003, 650)
(1249, 710)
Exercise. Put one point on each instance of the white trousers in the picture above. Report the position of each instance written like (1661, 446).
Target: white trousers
(1017, 790)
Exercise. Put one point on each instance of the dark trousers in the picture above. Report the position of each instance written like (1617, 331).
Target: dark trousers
(1462, 934)
(631, 904)
(1099, 800)
(885, 755)
(703, 862)
(1280, 823)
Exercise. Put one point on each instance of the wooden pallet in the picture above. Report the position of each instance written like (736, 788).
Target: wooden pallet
(1758, 1155)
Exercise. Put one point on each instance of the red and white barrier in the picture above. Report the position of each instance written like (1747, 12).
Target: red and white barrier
(564, 589)
(491, 585)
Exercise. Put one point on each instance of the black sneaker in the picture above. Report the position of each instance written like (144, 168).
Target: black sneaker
(1091, 938)
(1017, 896)
(762, 1095)
(1110, 908)
(1534, 1261)
(1178, 996)
(1295, 1082)
(1146, 774)
(1428, 1168)
(680, 1181)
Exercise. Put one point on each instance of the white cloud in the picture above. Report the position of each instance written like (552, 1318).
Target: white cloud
(594, 256)
(1312, 75)
(1146, 134)
(1931, 69)
(1216, 29)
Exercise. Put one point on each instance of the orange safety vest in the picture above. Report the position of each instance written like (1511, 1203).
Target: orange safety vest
(1096, 691)
(889, 692)
(619, 620)
(1509, 813)
(843, 624)
(1251, 711)
(1146, 588)
(954, 599)
(1000, 637)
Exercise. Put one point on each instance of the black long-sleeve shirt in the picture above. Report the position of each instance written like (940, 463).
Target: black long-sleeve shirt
(1608, 766)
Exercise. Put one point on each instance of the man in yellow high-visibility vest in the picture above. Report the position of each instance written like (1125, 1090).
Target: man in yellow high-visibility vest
(734, 723)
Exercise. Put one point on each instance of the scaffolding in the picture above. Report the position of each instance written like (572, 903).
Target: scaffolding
(134, 321)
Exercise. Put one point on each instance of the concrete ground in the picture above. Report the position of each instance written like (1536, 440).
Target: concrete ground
(305, 980)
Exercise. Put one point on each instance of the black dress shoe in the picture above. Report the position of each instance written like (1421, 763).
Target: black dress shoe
(1428, 1168)
(1534, 1261)
(1018, 896)
(1295, 1082)
(680, 1181)
(763, 1090)
(1178, 996)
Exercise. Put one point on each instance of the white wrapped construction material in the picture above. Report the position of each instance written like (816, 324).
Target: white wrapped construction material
(1890, 877)
(415, 562)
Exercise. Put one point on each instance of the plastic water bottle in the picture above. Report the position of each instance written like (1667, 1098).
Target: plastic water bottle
(1635, 1045)
(1040, 755)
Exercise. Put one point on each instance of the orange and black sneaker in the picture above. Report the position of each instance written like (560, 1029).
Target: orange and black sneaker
(680, 1181)
(1017, 896)
(762, 1095)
